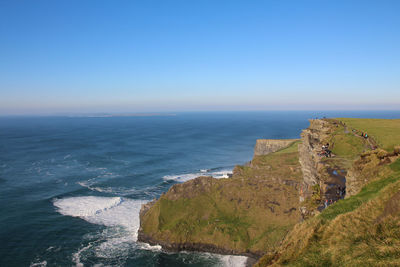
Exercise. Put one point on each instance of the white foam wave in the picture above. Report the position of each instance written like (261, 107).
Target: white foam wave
(181, 177)
(221, 174)
(189, 176)
(121, 215)
(109, 211)
(233, 261)
(101, 175)
(115, 190)
(37, 264)
(76, 257)
(223, 260)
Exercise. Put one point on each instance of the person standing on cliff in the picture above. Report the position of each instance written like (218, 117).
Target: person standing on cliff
(326, 203)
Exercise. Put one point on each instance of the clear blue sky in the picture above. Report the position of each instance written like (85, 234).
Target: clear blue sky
(151, 56)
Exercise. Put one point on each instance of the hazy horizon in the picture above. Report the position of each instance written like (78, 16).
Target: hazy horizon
(176, 56)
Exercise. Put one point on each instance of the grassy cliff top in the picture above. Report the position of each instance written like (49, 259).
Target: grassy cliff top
(362, 230)
(257, 210)
(384, 131)
(248, 213)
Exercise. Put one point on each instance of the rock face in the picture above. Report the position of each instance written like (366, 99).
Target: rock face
(312, 140)
(267, 146)
(351, 166)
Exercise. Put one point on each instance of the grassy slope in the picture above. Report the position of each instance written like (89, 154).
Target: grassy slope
(345, 146)
(385, 132)
(250, 212)
(361, 230)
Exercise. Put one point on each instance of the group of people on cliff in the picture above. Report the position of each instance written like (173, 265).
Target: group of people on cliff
(365, 135)
(325, 151)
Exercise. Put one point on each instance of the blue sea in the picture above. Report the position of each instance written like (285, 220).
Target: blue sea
(71, 187)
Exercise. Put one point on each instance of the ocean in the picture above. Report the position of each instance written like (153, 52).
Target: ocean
(71, 187)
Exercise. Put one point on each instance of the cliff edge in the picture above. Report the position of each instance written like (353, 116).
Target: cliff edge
(329, 199)
(360, 227)
(268, 146)
(246, 214)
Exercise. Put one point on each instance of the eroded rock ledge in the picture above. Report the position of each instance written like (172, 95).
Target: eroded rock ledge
(268, 146)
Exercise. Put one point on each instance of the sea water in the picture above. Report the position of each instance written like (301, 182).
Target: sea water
(71, 187)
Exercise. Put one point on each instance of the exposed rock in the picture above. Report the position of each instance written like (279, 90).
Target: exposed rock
(191, 188)
(365, 169)
(311, 166)
(145, 207)
(196, 246)
(267, 146)
(396, 150)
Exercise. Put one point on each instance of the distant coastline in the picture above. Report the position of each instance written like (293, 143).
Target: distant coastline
(107, 115)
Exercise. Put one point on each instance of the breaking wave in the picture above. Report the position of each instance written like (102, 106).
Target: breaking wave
(108, 211)
(120, 215)
(221, 173)
(233, 261)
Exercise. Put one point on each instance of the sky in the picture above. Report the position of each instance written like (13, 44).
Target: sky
(196, 55)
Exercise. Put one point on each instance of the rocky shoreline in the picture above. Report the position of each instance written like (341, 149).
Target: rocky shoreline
(194, 247)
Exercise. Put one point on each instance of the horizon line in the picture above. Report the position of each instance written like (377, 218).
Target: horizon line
(175, 113)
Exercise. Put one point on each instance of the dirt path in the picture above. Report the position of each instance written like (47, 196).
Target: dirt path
(371, 142)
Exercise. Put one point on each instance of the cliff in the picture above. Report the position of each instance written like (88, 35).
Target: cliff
(324, 175)
(363, 228)
(247, 214)
(295, 203)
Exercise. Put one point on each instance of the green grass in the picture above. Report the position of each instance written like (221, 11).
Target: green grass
(273, 234)
(395, 166)
(385, 132)
(365, 235)
(290, 149)
(368, 192)
(346, 145)
(247, 213)
(216, 218)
